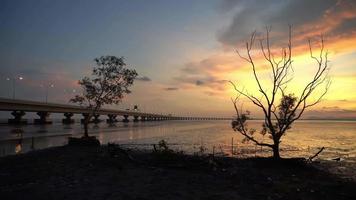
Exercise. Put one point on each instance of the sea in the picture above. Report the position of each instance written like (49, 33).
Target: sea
(304, 139)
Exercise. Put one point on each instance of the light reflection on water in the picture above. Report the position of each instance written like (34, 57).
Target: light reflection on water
(304, 139)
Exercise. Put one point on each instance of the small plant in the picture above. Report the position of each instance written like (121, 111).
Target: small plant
(162, 147)
(201, 150)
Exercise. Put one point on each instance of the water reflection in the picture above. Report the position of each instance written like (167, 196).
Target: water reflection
(67, 126)
(42, 129)
(18, 147)
(112, 125)
(214, 136)
(18, 132)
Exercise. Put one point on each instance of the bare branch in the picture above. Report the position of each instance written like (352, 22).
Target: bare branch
(290, 107)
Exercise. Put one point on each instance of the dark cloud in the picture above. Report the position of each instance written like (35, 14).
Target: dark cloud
(143, 78)
(199, 82)
(203, 73)
(210, 93)
(336, 108)
(228, 5)
(201, 76)
(171, 88)
(197, 68)
(305, 16)
(203, 81)
(190, 68)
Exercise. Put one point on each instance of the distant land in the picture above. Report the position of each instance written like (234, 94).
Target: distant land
(318, 119)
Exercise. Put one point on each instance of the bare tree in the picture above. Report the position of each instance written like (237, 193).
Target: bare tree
(110, 81)
(278, 116)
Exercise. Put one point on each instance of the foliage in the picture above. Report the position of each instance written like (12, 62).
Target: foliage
(162, 147)
(109, 82)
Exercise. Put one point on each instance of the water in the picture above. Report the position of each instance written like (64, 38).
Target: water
(304, 139)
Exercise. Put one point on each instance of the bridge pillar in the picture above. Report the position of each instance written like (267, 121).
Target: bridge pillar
(85, 115)
(143, 118)
(44, 118)
(112, 118)
(68, 119)
(126, 118)
(18, 114)
(135, 118)
(96, 119)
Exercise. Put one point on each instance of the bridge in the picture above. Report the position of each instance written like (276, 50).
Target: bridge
(18, 109)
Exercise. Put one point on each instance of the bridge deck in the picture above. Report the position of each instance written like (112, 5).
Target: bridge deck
(34, 106)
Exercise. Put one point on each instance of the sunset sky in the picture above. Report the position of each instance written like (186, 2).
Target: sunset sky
(184, 51)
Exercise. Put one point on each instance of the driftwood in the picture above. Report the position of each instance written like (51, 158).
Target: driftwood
(315, 155)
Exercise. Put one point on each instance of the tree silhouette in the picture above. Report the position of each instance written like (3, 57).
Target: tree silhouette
(109, 82)
(278, 118)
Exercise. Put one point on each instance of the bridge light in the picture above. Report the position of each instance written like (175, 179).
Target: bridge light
(14, 79)
(48, 86)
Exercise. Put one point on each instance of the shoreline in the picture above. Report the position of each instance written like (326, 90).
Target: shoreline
(109, 172)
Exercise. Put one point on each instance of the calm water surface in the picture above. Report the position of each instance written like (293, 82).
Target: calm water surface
(304, 139)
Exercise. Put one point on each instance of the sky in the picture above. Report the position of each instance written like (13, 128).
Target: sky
(184, 51)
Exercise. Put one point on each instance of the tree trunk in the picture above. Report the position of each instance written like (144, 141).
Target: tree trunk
(276, 151)
(86, 129)
(86, 124)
